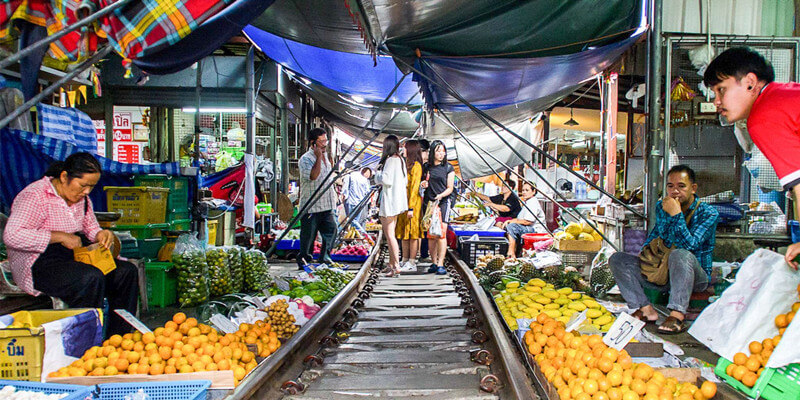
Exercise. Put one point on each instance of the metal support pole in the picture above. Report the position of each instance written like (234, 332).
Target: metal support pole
(108, 116)
(273, 156)
(655, 140)
(250, 102)
(171, 148)
(199, 220)
(667, 142)
(284, 144)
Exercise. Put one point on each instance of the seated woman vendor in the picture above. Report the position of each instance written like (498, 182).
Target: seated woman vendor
(529, 220)
(687, 225)
(506, 204)
(50, 218)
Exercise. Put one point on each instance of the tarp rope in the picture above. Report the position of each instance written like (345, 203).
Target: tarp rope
(483, 117)
(335, 167)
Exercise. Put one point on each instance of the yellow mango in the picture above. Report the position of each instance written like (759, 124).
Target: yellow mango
(577, 306)
(551, 306)
(551, 294)
(603, 320)
(564, 290)
(561, 301)
(552, 313)
(593, 313)
(591, 303)
(542, 299)
(537, 282)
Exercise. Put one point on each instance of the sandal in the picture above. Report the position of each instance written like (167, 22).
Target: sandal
(672, 326)
(638, 314)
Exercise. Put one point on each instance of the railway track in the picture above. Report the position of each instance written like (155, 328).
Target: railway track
(414, 336)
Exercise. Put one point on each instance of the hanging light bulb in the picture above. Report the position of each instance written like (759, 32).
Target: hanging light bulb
(571, 121)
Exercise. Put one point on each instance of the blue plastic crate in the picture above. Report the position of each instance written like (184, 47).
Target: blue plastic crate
(349, 259)
(77, 392)
(288, 245)
(174, 390)
(492, 233)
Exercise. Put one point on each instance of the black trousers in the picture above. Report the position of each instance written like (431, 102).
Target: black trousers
(323, 223)
(56, 273)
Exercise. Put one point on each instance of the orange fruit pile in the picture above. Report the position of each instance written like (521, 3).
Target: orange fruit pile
(182, 345)
(747, 369)
(582, 367)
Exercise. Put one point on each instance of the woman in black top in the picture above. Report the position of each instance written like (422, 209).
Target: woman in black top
(438, 185)
(506, 204)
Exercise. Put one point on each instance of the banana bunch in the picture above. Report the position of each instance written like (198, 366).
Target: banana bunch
(538, 296)
(352, 233)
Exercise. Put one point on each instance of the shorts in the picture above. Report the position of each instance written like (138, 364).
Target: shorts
(515, 231)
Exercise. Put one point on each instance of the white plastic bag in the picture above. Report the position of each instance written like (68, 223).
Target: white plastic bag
(436, 223)
(765, 287)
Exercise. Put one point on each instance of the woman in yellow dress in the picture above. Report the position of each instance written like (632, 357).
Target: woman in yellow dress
(408, 224)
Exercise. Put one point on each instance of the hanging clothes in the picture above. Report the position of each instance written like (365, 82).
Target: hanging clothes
(68, 124)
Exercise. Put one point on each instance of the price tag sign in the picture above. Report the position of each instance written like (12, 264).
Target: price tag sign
(129, 318)
(223, 323)
(622, 331)
(577, 320)
(259, 304)
(282, 284)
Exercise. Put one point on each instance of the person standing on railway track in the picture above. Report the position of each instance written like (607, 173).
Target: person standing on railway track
(314, 166)
(439, 187)
(392, 176)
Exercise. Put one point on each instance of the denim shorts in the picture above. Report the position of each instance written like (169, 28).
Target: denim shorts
(515, 231)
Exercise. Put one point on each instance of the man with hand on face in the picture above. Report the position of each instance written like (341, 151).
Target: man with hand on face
(742, 81)
(314, 166)
(689, 227)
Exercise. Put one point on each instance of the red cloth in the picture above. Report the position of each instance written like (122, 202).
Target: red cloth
(37, 211)
(502, 219)
(774, 126)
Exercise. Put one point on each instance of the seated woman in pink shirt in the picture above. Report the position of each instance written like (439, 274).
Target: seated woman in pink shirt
(50, 218)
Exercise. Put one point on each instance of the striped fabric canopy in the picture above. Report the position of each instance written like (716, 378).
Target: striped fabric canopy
(26, 156)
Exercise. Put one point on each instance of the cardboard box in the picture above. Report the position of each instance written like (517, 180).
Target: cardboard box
(467, 210)
(578, 245)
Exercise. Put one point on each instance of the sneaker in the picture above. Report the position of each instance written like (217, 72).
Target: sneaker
(433, 268)
(441, 271)
(408, 267)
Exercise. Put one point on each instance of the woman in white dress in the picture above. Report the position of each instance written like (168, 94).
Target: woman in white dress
(394, 200)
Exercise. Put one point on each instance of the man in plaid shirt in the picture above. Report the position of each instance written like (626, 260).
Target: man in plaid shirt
(689, 261)
(314, 166)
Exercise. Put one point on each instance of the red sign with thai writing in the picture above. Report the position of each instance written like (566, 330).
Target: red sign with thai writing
(123, 127)
(128, 153)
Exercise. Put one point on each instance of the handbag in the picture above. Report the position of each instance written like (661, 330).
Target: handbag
(425, 222)
(654, 258)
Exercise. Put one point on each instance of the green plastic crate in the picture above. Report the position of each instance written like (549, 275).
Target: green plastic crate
(178, 214)
(180, 225)
(656, 296)
(773, 384)
(147, 231)
(148, 248)
(178, 188)
(162, 284)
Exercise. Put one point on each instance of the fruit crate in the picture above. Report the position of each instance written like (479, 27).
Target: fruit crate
(577, 259)
(76, 392)
(773, 384)
(178, 188)
(175, 214)
(470, 249)
(162, 284)
(348, 258)
(177, 390)
(138, 205)
(22, 349)
(148, 248)
(180, 225)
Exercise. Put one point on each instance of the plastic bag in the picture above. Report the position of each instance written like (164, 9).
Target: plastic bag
(256, 271)
(190, 262)
(235, 265)
(436, 223)
(219, 276)
(765, 287)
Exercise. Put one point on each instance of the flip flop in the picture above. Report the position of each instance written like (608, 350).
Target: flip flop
(638, 314)
(672, 326)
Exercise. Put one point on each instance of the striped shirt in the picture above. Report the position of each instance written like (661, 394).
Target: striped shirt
(325, 201)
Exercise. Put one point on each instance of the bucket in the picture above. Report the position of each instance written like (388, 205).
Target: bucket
(528, 239)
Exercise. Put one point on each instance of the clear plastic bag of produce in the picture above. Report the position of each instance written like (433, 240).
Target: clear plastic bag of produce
(235, 265)
(219, 275)
(189, 258)
(335, 278)
(256, 271)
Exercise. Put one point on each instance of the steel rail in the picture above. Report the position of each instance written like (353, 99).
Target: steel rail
(306, 338)
(515, 371)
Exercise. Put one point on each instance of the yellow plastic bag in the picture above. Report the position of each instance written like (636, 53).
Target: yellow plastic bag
(97, 256)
